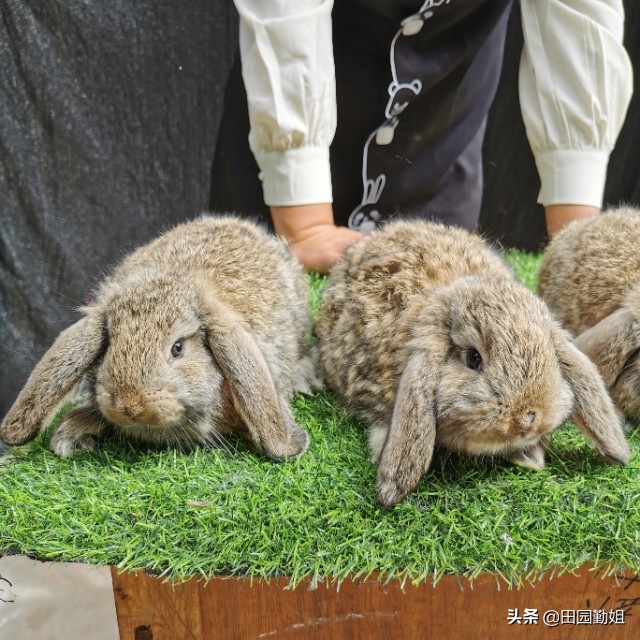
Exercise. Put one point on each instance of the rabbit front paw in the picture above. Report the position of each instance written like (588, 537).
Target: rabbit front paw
(297, 443)
(66, 447)
(78, 432)
(390, 491)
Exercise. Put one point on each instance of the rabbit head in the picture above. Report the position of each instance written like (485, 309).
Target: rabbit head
(490, 373)
(157, 378)
(170, 355)
(500, 387)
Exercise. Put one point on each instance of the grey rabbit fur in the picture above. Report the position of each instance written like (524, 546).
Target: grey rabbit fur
(590, 278)
(425, 334)
(200, 332)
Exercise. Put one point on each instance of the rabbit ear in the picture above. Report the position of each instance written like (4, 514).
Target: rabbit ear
(609, 343)
(54, 377)
(256, 399)
(594, 412)
(409, 448)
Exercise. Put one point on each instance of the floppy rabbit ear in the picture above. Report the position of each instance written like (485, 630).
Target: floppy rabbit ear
(593, 412)
(409, 448)
(609, 343)
(243, 365)
(53, 378)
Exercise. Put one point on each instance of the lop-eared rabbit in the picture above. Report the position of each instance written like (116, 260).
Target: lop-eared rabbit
(203, 331)
(425, 334)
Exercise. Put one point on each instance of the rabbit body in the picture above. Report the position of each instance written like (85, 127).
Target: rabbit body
(202, 331)
(590, 278)
(426, 335)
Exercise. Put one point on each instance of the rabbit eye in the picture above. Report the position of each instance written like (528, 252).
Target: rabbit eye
(177, 349)
(473, 359)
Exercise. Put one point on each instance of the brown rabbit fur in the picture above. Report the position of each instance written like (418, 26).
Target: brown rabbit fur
(590, 278)
(202, 331)
(426, 335)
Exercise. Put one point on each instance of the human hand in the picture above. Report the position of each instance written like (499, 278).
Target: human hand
(560, 215)
(315, 239)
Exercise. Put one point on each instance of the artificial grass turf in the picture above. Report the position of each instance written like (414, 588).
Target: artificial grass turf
(213, 512)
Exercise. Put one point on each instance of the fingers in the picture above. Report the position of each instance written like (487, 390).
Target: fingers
(319, 248)
(312, 234)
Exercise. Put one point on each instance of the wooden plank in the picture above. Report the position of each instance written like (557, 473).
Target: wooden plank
(149, 609)
(239, 608)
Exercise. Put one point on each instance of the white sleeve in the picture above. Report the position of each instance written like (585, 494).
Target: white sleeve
(575, 86)
(288, 71)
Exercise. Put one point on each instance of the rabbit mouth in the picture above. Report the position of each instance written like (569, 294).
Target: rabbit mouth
(184, 434)
(140, 410)
(484, 439)
(140, 424)
(148, 420)
(501, 446)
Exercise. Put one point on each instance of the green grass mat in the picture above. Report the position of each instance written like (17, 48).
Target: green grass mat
(209, 512)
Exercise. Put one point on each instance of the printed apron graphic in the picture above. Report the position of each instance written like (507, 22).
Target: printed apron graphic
(401, 91)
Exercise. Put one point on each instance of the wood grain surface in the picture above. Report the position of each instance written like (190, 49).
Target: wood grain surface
(230, 608)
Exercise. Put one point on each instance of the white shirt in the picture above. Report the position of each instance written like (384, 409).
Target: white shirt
(575, 86)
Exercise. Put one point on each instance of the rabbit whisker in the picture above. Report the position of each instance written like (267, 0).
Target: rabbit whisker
(193, 435)
(217, 439)
(172, 438)
(182, 436)
(20, 353)
(213, 438)
(78, 303)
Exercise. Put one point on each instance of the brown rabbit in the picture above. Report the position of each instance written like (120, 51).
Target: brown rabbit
(426, 335)
(590, 278)
(200, 332)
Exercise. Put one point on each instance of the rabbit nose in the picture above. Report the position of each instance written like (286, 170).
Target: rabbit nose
(522, 423)
(130, 406)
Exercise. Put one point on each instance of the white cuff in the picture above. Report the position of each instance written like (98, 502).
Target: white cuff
(572, 176)
(296, 176)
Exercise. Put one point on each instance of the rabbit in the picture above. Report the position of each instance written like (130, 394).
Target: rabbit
(590, 278)
(203, 331)
(426, 335)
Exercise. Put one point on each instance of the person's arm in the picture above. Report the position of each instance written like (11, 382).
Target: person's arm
(288, 71)
(575, 87)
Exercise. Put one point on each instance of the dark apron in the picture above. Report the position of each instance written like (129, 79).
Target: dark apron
(414, 86)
